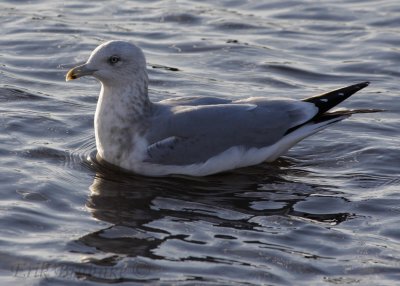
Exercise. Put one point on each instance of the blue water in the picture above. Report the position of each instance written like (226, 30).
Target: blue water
(327, 213)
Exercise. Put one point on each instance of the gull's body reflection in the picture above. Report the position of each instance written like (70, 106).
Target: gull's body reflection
(185, 219)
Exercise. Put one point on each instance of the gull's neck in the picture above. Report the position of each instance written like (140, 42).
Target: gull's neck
(122, 116)
(130, 100)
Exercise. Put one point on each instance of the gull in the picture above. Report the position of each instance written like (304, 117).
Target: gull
(196, 136)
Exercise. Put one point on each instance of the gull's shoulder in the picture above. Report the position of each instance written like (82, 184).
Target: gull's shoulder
(193, 101)
(208, 100)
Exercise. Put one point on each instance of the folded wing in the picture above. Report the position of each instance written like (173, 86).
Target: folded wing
(181, 135)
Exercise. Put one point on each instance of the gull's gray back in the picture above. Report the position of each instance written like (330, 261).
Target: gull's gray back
(188, 134)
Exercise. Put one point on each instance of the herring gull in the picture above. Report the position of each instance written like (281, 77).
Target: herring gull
(195, 136)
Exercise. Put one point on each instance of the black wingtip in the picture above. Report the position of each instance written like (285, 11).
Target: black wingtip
(328, 100)
(363, 84)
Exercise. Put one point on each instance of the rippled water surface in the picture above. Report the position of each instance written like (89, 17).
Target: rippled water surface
(327, 213)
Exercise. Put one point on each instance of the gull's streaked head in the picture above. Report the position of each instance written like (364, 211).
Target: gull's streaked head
(113, 63)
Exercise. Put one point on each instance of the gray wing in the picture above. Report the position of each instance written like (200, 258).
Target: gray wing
(181, 135)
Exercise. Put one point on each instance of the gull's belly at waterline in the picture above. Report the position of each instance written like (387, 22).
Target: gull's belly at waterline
(232, 158)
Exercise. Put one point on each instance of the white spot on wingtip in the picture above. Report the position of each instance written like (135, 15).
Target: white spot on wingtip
(251, 107)
(324, 100)
(341, 93)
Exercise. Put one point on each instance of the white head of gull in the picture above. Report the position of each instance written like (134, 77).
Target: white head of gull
(195, 136)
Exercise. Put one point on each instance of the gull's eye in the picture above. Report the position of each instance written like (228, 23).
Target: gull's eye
(113, 60)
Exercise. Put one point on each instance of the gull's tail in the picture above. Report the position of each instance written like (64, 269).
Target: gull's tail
(327, 101)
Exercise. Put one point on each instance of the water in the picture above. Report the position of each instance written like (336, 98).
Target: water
(327, 213)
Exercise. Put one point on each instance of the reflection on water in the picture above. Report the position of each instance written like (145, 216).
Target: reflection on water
(206, 220)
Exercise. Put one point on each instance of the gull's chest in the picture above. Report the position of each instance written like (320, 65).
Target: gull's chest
(118, 135)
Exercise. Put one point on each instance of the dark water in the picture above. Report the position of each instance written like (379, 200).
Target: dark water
(328, 213)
